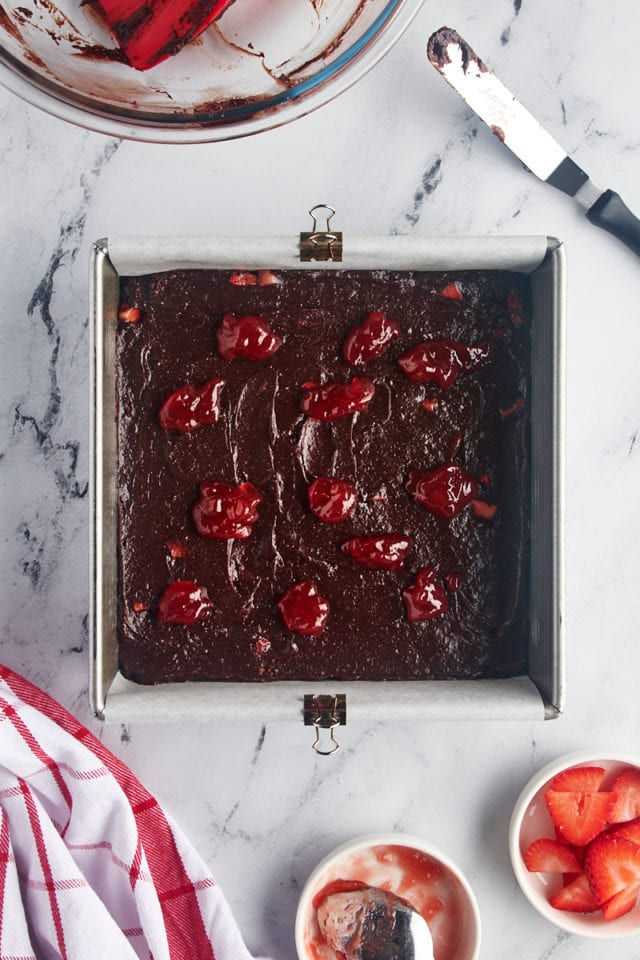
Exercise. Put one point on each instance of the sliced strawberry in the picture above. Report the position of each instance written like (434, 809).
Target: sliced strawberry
(452, 291)
(484, 511)
(518, 404)
(582, 779)
(128, 314)
(177, 549)
(549, 856)
(578, 853)
(629, 830)
(267, 278)
(453, 581)
(576, 897)
(261, 645)
(612, 864)
(149, 31)
(242, 278)
(515, 303)
(578, 816)
(626, 787)
(620, 903)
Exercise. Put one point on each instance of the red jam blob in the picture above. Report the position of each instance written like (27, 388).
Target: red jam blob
(332, 500)
(225, 512)
(332, 401)
(369, 339)
(303, 609)
(189, 407)
(249, 337)
(425, 599)
(381, 552)
(445, 491)
(183, 602)
(443, 360)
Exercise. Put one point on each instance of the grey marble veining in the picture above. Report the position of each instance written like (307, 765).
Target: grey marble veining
(397, 153)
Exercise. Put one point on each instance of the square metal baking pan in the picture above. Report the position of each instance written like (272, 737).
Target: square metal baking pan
(540, 695)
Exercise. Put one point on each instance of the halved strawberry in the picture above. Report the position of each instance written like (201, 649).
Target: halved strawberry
(626, 787)
(549, 856)
(582, 779)
(577, 897)
(620, 903)
(629, 830)
(578, 816)
(612, 865)
(149, 31)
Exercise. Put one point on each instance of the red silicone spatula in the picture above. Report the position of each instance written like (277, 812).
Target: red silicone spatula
(150, 31)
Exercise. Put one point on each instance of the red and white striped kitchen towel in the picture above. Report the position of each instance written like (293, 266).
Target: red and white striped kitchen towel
(90, 865)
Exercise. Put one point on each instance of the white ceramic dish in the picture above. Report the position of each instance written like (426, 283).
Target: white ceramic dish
(530, 820)
(379, 860)
(261, 64)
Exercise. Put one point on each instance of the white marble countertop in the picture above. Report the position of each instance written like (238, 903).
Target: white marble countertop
(398, 153)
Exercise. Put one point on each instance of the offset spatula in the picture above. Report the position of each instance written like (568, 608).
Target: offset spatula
(522, 133)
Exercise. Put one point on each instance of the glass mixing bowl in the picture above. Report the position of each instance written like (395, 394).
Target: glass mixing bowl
(262, 64)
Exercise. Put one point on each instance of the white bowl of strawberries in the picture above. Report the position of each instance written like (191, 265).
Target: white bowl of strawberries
(574, 840)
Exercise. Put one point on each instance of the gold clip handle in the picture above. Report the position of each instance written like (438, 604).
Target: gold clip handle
(322, 243)
(325, 713)
(333, 744)
(315, 215)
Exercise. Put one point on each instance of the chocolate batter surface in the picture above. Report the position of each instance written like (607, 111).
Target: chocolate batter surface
(263, 437)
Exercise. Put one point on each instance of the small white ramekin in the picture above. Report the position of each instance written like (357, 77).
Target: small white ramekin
(530, 820)
(469, 944)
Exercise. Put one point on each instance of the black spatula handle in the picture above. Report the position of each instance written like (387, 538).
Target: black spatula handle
(611, 213)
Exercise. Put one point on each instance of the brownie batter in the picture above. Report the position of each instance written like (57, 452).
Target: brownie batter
(263, 438)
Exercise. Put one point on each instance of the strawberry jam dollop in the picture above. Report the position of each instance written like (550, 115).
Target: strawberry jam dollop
(369, 339)
(442, 361)
(425, 599)
(382, 552)
(248, 337)
(189, 407)
(303, 609)
(445, 491)
(225, 512)
(332, 401)
(183, 602)
(331, 500)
